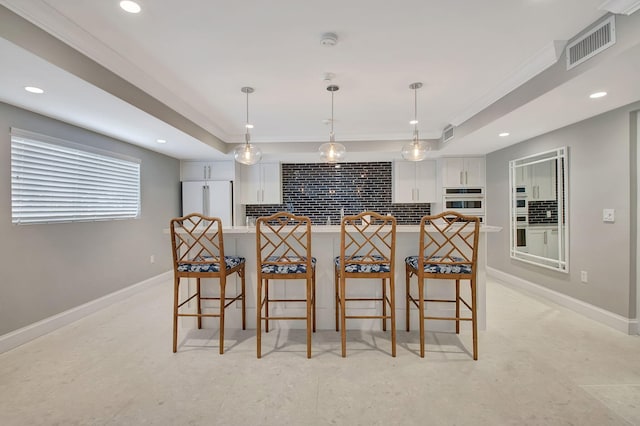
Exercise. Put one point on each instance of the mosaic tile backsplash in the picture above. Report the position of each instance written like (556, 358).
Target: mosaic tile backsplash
(538, 212)
(320, 190)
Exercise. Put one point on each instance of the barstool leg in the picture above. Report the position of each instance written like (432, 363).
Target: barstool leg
(313, 302)
(223, 285)
(407, 279)
(259, 319)
(392, 296)
(244, 297)
(343, 320)
(457, 306)
(199, 308)
(421, 292)
(474, 319)
(384, 304)
(337, 296)
(309, 293)
(266, 305)
(176, 286)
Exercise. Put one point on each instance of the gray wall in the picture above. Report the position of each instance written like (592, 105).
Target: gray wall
(602, 170)
(47, 269)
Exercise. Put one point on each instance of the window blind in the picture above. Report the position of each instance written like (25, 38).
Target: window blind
(58, 181)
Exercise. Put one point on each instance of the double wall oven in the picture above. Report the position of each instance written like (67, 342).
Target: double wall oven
(467, 201)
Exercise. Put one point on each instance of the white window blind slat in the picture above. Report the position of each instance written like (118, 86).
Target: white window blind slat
(53, 182)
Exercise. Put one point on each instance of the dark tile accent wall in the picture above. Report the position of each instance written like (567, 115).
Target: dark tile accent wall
(320, 190)
(538, 212)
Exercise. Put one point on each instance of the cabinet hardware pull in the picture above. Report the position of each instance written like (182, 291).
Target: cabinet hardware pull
(461, 182)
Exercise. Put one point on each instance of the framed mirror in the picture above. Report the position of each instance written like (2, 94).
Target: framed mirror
(538, 201)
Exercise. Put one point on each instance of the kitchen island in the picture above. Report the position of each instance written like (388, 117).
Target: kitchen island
(241, 241)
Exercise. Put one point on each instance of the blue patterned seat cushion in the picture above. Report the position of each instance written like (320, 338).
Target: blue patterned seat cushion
(364, 267)
(230, 261)
(440, 268)
(298, 265)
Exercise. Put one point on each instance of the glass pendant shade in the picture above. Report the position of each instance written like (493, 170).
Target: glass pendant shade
(248, 154)
(416, 150)
(332, 152)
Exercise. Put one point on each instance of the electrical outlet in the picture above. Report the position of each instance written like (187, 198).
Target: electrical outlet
(608, 215)
(152, 259)
(548, 213)
(583, 276)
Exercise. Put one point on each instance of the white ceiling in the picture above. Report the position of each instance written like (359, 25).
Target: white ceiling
(195, 56)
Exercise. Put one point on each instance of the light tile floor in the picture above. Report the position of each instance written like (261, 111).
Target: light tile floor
(539, 365)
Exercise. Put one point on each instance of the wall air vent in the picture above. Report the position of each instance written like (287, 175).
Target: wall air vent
(447, 133)
(592, 42)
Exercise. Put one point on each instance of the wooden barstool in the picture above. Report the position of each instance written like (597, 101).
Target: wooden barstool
(283, 243)
(367, 250)
(448, 250)
(198, 252)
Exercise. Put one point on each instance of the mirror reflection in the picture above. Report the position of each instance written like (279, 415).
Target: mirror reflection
(538, 209)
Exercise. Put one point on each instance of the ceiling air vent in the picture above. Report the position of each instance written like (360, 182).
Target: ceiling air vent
(447, 133)
(594, 41)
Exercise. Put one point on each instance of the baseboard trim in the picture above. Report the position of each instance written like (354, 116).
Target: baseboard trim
(25, 334)
(615, 321)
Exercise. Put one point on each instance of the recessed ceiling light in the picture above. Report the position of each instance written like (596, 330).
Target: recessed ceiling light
(503, 134)
(32, 89)
(597, 95)
(130, 6)
(413, 122)
(161, 141)
(248, 126)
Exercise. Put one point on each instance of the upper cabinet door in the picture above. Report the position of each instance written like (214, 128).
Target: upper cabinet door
(426, 172)
(414, 182)
(271, 184)
(462, 172)
(404, 178)
(261, 184)
(474, 172)
(542, 181)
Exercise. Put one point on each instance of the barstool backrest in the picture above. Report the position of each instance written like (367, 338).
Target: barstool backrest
(197, 240)
(284, 240)
(367, 238)
(449, 240)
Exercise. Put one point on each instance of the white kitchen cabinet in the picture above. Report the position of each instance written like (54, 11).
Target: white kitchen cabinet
(261, 184)
(414, 181)
(463, 172)
(207, 170)
(542, 181)
(543, 241)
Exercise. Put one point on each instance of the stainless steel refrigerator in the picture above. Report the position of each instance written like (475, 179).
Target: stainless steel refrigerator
(210, 198)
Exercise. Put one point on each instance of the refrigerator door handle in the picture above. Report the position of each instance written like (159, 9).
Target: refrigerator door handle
(205, 200)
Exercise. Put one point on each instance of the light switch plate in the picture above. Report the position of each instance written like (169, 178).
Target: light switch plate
(608, 215)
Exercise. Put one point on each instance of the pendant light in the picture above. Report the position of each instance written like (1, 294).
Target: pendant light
(416, 150)
(247, 154)
(332, 152)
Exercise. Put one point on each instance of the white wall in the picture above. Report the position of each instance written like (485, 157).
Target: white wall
(48, 269)
(602, 168)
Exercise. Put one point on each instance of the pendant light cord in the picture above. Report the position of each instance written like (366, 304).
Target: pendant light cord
(247, 136)
(331, 136)
(415, 114)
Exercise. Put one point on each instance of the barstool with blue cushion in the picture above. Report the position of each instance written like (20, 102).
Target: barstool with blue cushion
(448, 249)
(283, 244)
(367, 250)
(198, 252)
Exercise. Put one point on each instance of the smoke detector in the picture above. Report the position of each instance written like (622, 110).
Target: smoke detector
(329, 39)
